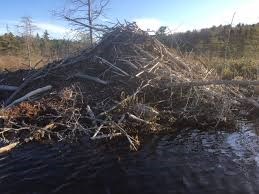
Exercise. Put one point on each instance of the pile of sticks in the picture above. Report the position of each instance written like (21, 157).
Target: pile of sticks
(129, 84)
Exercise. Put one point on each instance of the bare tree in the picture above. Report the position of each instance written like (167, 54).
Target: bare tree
(27, 28)
(83, 15)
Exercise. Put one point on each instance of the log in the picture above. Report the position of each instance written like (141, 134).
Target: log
(8, 148)
(215, 82)
(91, 78)
(8, 88)
(29, 95)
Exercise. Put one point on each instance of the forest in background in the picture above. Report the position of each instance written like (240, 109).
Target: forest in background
(14, 54)
(232, 50)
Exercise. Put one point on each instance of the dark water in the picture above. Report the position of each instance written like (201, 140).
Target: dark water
(187, 162)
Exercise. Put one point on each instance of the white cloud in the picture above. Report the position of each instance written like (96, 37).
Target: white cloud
(248, 13)
(245, 12)
(148, 23)
(153, 24)
(54, 30)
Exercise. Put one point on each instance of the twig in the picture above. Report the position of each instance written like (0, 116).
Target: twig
(130, 139)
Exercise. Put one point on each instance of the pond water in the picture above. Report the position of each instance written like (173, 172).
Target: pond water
(190, 161)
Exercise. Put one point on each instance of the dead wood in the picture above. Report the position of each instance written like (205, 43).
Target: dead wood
(112, 66)
(8, 148)
(91, 78)
(29, 95)
(8, 88)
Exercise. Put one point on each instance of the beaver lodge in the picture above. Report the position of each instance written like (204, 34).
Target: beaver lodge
(128, 85)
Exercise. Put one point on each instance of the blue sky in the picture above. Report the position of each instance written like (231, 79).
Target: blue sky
(179, 15)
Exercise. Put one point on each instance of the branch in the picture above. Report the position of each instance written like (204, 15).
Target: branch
(85, 25)
(112, 65)
(29, 95)
(8, 147)
(91, 78)
(8, 88)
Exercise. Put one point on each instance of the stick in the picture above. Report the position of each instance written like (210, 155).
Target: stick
(91, 78)
(29, 95)
(216, 82)
(147, 54)
(152, 68)
(129, 63)
(112, 66)
(106, 136)
(8, 147)
(140, 73)
(130, 139)
(91, 114)
(99, 128)
(138, 119)
(8, 88)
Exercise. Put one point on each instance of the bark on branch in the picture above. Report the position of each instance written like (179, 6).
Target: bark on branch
(29, 95)
(8, 88)
(91, 78)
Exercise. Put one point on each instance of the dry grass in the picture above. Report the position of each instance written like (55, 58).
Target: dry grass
(13, 63)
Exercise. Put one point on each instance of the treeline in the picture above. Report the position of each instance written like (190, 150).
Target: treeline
(41, 47)
(222, 41)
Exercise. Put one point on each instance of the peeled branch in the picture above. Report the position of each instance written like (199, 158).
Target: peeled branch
(8, 148)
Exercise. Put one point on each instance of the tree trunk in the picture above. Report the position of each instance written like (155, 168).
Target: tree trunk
(29, 52)
(90, 21)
